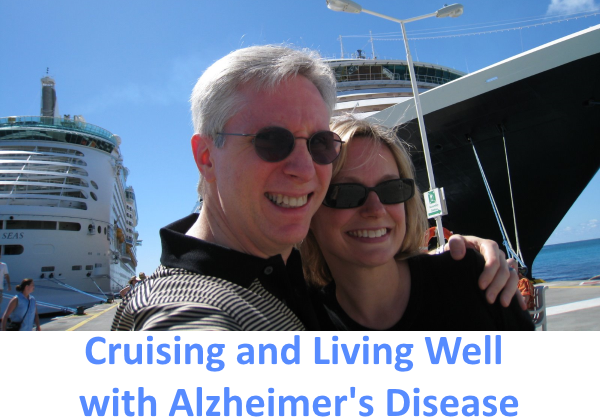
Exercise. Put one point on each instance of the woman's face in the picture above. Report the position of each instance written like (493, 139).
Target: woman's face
(30, 288)
(369, 235)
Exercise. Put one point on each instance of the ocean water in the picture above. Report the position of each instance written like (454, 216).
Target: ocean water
(570, 261)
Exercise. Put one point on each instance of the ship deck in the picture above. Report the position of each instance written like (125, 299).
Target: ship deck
(571, 306)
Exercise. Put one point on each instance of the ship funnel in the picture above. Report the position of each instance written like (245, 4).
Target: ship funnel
(49, 106)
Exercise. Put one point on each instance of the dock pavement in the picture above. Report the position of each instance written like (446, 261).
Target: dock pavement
(570, 306)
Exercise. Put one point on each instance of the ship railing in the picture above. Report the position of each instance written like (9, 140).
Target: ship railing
(58, 123)
(340, 78)
(39, 200)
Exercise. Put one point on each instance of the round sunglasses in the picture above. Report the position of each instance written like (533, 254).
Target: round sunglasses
(347, 196)
(274, 144)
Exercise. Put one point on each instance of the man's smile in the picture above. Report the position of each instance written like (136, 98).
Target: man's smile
(287, 201)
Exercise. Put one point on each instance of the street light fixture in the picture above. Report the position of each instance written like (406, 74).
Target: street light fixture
(453, 10)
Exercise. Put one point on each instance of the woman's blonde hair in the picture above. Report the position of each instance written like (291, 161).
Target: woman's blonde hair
(349, 127)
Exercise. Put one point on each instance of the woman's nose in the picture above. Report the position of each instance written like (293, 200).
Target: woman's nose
(373, 207)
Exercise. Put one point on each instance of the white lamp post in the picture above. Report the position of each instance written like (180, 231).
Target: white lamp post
(454, 10)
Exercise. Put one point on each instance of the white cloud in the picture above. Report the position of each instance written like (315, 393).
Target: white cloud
(589, 225)
(571, 6)
(581, 232)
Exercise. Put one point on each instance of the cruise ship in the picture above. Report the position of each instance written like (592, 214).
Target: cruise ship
(513, 145)
(67, 216)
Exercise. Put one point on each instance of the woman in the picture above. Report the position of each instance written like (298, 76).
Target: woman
(22, 309)
(364, 248)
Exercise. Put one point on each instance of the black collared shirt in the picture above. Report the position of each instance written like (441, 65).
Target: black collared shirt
(201, 285)
(444, 296)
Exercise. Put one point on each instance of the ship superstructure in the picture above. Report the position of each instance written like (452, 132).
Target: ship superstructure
(67, 215)
(366, 86)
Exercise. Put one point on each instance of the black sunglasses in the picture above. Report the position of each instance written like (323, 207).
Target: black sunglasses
(274, 144)
(347, 196)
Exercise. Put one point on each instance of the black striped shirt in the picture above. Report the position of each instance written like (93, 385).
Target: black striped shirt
(203, 286)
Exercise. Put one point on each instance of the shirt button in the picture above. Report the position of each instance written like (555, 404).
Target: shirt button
(268, 270)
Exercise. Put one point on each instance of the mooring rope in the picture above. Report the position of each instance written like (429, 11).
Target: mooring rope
(49, 305)
(68, 286)
(505, 239)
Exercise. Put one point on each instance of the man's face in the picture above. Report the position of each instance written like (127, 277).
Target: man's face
(248, 186)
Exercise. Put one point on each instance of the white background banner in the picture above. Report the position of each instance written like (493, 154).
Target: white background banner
(62, 375)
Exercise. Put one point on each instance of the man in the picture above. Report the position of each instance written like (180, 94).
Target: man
(130, 285)
(264, 152)
(3, 277)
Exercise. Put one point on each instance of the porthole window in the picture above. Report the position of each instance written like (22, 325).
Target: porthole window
(94, 185)
(99, 229)
(75, 227)
(12, 250)
(30, 224)
(94, 196)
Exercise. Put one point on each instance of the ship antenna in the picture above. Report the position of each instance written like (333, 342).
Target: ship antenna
(342, 46)
(372, 46)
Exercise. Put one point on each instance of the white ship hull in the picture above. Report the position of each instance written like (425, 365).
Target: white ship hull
(64, 250)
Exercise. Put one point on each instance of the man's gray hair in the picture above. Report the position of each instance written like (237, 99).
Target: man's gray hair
(215, 97)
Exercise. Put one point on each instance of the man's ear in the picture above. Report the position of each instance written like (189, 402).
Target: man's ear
(202, 148)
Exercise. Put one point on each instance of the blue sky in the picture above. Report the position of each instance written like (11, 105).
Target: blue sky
(129, 67)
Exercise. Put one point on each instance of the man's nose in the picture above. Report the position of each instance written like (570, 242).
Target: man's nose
(299, 163)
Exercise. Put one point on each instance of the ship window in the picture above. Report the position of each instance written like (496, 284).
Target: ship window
(99, 229)
(97, 265)
(94, 184)
(94, 197)
(73, 205)
(47, 269)
(75, 227)
(1, 224)
(12, 249)
(76, 268)
(30, 224)
(76, 194)
(89, 267)
(75, 181)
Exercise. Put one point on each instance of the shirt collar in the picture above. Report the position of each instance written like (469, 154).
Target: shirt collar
(206, 258)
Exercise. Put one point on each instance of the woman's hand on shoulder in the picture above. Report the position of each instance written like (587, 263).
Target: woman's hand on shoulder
(499, 276)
